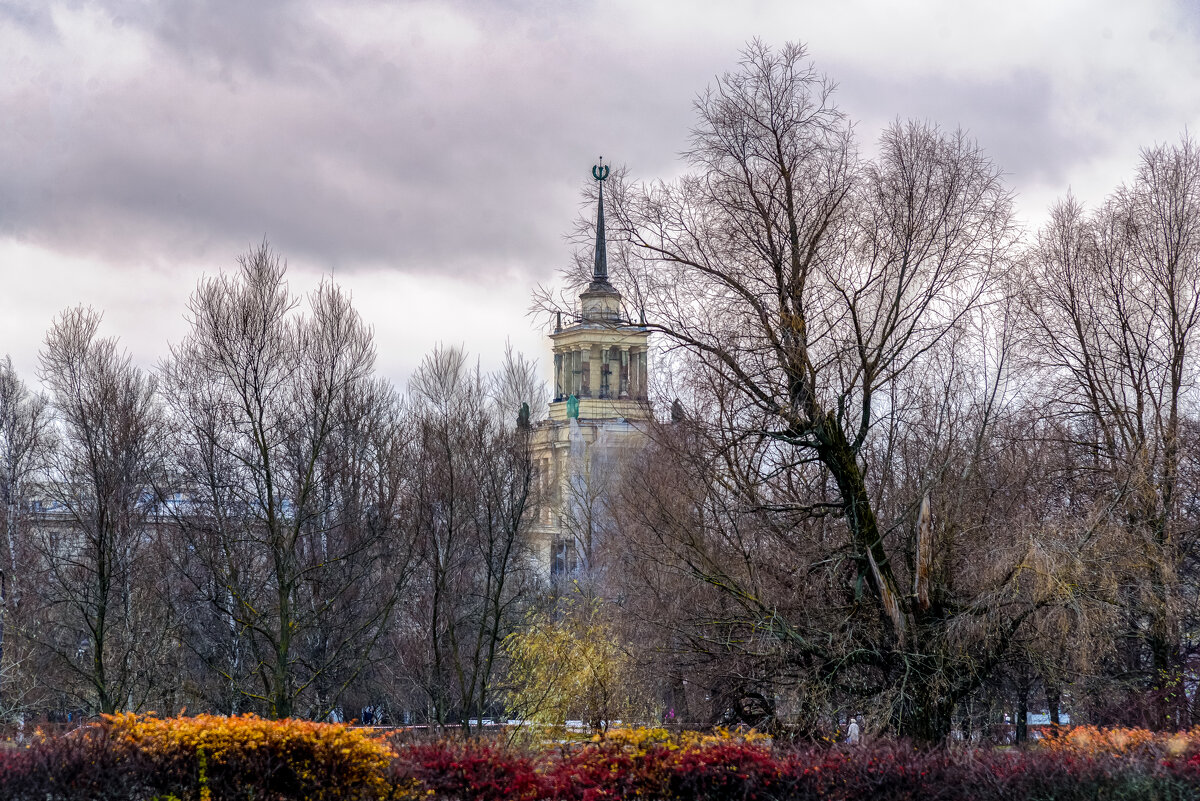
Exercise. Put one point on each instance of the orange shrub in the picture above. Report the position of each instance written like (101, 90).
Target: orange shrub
(1093, 740)
(207, 757)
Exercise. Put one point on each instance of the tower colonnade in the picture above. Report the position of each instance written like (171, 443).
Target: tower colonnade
(599, 370)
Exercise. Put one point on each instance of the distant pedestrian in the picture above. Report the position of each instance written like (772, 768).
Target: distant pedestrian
(852, 734)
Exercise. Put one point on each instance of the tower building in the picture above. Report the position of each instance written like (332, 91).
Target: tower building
(596, 421)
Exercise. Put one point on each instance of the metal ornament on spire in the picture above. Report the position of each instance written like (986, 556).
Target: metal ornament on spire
(600, 270)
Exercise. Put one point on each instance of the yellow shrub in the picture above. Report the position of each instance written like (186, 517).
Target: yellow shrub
(318, 754)
(639, 738)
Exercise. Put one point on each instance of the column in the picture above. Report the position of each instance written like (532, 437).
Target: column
(575, 373)
(586, 372)
(644, 375)
(558, 376)
(635, 374)
(595, 354)
(605, 374)
(623, 389)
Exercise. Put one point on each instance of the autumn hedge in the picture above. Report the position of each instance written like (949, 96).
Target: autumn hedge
(130, 758)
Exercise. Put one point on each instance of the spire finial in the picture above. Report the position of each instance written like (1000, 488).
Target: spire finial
(600, 171)
(600, 270)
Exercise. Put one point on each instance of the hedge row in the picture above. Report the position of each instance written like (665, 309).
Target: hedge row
(740, 771)
(127, 758)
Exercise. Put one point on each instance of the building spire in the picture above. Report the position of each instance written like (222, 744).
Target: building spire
(600, 302)
(600, 270)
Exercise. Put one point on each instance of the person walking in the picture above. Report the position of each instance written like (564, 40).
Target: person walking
(852, 733)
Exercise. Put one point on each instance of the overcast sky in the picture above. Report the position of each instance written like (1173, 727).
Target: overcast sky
(431, 155)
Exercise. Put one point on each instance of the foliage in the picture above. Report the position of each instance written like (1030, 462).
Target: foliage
(736, 769)
(653, 763)
(566, 663)
(85, 765)
(645, 763)
(202, 757)
(1092, 740)
(462, 770)
(128, 757)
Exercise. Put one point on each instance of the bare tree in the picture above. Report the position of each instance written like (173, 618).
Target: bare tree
(98, 618)
(289, 487)
(472, 494)
(24, 436)
(1113, 300)
(809, 291)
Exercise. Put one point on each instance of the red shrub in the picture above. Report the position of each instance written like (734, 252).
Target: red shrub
(731, 771)
(82, 765)
(602, 772)
(466, 770)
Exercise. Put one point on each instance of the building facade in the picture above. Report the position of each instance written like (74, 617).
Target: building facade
(596, 421)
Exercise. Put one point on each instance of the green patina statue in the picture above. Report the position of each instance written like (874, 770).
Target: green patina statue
(573, 407)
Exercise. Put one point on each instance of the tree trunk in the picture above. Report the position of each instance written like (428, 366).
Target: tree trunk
(679, 701)
(928, 717)
(1166, 684)
(1022, 721)
(1053, 700)
(839, 457)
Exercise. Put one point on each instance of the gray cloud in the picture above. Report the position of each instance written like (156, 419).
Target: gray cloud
(252, 118)
(448, 141)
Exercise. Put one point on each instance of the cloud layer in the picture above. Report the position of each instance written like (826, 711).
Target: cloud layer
(437, 148)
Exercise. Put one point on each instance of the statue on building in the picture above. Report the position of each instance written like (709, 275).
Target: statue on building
(573, 407)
